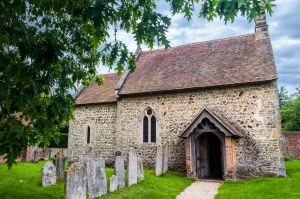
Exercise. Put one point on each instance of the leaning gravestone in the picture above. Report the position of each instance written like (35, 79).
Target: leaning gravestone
(96, 177)
(113, 183)
(48, 174)
(119, 170)
(59, 164)
(140, 169)
(76, 181)
(158, 161)
(165, 158)
(132, 167)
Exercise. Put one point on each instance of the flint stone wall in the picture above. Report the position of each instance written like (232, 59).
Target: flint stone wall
(102, 121)
(253, 109)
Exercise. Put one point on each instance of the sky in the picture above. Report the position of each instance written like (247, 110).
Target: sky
(284, 31)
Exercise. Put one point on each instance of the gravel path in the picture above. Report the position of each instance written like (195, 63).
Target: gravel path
(200, 190)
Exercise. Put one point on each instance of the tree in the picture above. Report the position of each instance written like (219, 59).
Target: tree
(283, 96)
(290, 112)
(48, 47)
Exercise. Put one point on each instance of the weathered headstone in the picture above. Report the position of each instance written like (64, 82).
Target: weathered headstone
(48, 174)
(35, 154)
(120, 171)
(158, 161)
(59, 163)
(96, 177)
(71, 158)
(132, 167)
(140, 169)
(76, 181)
(113, 183)
(165, 158)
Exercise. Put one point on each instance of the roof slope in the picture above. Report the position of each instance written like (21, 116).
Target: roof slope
(221, 124)
(95, 94)
(237, 60)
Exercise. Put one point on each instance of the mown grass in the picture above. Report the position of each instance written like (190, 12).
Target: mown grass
(166, 186)
(23, 181)
(265, 188)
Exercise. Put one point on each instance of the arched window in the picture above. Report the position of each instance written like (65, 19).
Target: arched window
(149, 126)
(145, 129)
(88, 135)
(153, 129)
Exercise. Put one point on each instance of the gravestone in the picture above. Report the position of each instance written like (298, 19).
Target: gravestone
(140, 169)
(120, 171)
(132, 167)
(96, 177)
(59, 164)
(158, 161)
(48, 174)
(76, 181)
(165, 158)
(113, 183)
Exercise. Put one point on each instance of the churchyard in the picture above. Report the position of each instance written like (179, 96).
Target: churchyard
(24, 181)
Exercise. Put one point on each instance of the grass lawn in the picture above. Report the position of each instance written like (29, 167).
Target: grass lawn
(23, 182)
(265, 188)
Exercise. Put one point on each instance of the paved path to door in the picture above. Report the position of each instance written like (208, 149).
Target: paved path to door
(200, 190)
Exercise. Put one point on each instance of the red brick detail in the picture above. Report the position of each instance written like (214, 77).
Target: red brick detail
(291, 144)
(2, 159)
(41, 154)
(188, 158)
(229, 158)
(28, 155)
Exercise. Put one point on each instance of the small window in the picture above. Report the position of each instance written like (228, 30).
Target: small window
(88, 136)
(149, 126)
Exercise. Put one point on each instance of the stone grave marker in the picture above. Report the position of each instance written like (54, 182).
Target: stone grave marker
(140, 169)
(113, 183)
(120, 171)
(48, 174)
(59, 163)
(158, 161)
(165, 158)
(76, 181)
(96, 177)
(132, 167)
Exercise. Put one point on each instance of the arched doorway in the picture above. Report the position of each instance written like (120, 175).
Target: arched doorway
(209, 156)
(209, 147)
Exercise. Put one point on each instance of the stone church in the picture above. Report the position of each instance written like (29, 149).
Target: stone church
(215, 104)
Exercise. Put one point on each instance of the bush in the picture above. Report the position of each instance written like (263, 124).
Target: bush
(63, 142)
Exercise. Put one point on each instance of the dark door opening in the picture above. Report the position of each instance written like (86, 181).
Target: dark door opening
(209, 156)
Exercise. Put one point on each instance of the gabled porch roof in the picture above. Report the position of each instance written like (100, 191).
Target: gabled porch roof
(217, 120)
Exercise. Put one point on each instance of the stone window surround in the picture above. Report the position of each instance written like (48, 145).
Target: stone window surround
(141, 132)
(149, 116)
(92, 134)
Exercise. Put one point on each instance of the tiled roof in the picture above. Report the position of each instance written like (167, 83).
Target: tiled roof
(94, 94)
(237, 60)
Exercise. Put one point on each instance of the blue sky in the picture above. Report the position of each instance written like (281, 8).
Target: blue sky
(284, 30)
